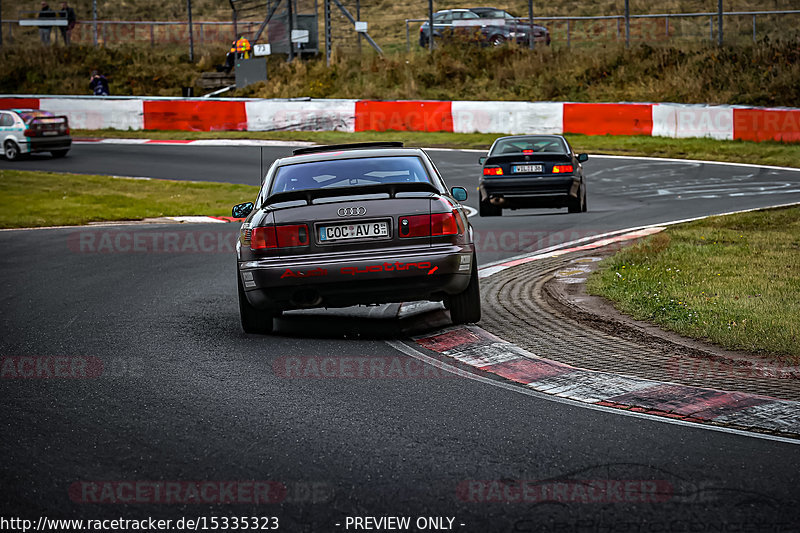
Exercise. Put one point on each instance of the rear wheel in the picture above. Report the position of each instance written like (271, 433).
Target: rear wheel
(59, 153)
(578, 205)
(11, 150)
(486, 209)
(253, 320)
(466, 306)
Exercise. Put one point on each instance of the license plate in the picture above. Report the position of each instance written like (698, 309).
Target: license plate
(341, 232)
(49, 133)
(526, 168)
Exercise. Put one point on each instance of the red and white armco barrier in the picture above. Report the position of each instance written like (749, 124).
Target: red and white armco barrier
(249, 114)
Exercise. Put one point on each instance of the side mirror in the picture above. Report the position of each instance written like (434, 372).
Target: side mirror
(583, 158)
(242, 210)
(482, 160)
(459, 193)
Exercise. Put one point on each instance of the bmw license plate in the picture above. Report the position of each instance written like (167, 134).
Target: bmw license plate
(526, 168)
(341, 232)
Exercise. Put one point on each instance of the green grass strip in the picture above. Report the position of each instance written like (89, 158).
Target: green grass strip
(733, 280)
(34, 199)
(764, 153)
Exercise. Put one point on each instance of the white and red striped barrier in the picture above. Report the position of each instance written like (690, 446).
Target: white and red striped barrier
(200, 114)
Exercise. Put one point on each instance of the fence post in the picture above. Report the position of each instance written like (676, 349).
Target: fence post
(94, 23)
(627, 23)
(191, 33)
(530, 22)
(569, 27)
(327, 15)
(719, 24)
(666, 25)
(430, 25)
(711, 28)
(408, 38)
(754, 28)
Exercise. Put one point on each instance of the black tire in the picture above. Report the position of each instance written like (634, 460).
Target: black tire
(485, 209)
(578, 205)
(497, 40)
(465, 307)
(59, 153)
(11, 150)
(253, 320)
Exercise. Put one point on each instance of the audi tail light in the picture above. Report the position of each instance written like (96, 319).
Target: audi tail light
(492, 171)
(563, 169)
(287, 236)
(430, 225)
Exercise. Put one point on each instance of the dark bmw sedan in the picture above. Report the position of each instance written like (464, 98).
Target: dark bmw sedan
(344, 225)
(532, 171)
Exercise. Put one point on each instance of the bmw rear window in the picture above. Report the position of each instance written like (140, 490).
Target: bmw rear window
(349, 173)
(516, 145)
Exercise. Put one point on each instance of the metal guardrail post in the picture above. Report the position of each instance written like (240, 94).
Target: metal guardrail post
(666, 26)
(754, 28)
(152, 34)
(719, 24)
(711, 28)
(408, 38)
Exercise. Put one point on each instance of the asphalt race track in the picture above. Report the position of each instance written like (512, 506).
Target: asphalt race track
(187, 400)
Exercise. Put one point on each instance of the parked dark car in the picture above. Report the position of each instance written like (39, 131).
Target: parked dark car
(532, 171)
(343, 225)
(489, 25)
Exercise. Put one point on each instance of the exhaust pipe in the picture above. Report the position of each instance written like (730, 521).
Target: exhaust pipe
(306, 298)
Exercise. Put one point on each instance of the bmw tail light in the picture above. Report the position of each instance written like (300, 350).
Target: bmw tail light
(563, 169)
(29, 133)
(492, 171)
(263, 237)
(444, 224)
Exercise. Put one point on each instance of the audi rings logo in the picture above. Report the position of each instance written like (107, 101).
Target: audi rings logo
(352, 211)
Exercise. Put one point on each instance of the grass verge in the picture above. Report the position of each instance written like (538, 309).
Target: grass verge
(733, 280)
(35, 199)
(763, 153)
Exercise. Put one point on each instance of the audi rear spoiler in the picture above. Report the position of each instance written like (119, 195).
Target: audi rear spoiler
(309, 195)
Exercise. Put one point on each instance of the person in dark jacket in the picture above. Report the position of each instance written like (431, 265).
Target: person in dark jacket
(45, 29)
(68, 13)
(98, 84)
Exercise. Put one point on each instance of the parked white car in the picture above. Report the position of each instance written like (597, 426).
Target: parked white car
(29, 131)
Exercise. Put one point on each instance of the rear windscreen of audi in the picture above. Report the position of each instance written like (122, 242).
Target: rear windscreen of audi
(528, 145)
(349, 173)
